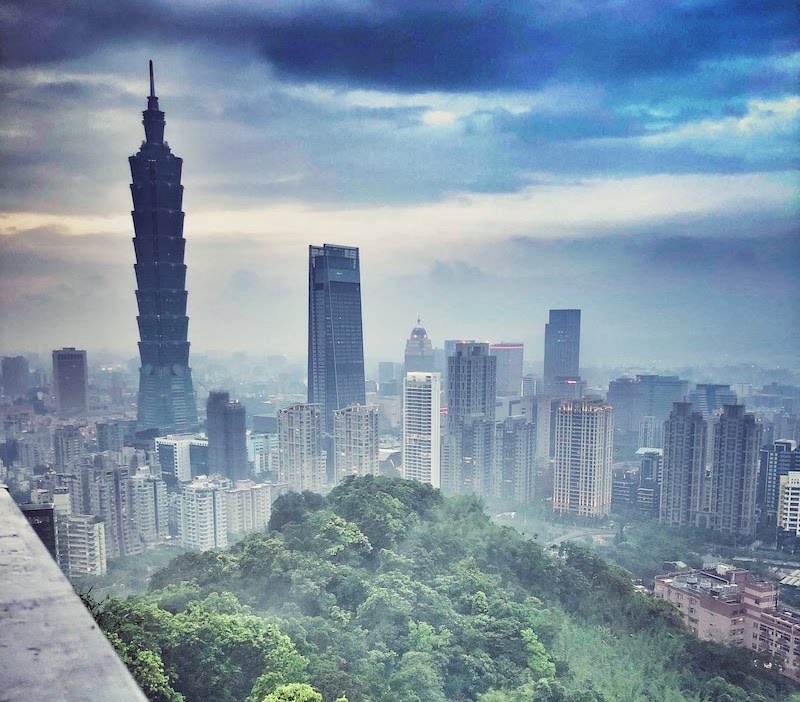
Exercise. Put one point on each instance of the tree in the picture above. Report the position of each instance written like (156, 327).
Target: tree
(294, 692)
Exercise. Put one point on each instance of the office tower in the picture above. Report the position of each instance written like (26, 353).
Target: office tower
(203, 515)
(683, 468)
(651, 462)
(709, 398)
(626, 397)
(71, 382)
(513, 476)
(659, 393)
(15, 376)
(468, 446)
(584, 446)
(166, 394)
(775, 461)
(149, 507)
(249, 506)
(335, 341)
(227, 437)
(734, 471)
(389, 378)
(67, 447)
(355, 441)
(198, 456)
(422, 427)
(300, 447)
(509, 367)
(562, 344)
(387, 372)
(173, 455)
(528, 385)
(419, 351)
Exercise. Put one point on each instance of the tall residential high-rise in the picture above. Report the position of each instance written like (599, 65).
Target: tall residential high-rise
(335, 340)
(515, 459)
(734, 471)
(419, 351)
(422, 427)
(15, 376)
(67, 447)
(776, 461)
(71, 382)
(149, 506)
(562, 345)
(355, 441)
(509, 356)
(301, 456)
(468, 445)
(203, 515)
(249, 506)
(683, 467)
(109, 499)
(166, 395)
(582, 469)
(227, 436)
(472, 383)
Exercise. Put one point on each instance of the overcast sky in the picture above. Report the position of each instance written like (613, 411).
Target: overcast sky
(637, 159)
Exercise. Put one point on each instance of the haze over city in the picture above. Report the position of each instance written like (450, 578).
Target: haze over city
(490, 161)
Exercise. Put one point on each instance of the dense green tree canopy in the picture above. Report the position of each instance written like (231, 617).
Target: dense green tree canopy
(384, 591)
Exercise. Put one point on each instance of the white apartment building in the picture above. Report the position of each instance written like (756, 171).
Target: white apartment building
(81, 540)
(355, 441)
(789, 502)
(203, 514)
(300, 453)
(149, 506)
(582, 470)
(422, 427)
(249, 506)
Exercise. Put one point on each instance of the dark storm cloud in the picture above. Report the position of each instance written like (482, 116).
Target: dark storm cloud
(412, 46)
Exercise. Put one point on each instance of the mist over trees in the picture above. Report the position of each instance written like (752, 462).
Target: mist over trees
(384, 590)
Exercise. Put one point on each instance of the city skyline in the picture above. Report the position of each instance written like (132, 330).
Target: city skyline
(654, 188)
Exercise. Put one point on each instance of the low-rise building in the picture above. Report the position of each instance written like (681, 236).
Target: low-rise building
(728, 606)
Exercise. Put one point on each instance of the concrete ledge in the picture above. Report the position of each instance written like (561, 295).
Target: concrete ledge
(50, 647)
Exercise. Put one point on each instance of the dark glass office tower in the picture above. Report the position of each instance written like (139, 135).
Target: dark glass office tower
(166, 395)
(562, 344)
(335, 340)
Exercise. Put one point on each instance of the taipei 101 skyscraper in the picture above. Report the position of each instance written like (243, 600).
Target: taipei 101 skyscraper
(166, 395)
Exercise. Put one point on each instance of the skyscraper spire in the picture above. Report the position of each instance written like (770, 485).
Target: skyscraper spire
(166, 394)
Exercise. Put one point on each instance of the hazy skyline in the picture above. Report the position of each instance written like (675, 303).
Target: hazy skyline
(491, 160)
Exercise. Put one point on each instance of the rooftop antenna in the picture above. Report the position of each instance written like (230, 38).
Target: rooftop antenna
(152, 82)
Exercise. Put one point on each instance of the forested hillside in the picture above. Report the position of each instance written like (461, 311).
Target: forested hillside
(384, 591)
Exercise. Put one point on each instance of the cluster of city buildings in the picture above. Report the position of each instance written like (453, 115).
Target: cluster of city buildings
(468, 419)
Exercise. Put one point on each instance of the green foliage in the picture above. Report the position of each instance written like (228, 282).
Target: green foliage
(294, 692)
(384, 591)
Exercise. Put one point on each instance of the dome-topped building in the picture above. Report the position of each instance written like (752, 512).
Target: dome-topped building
(419, 351)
